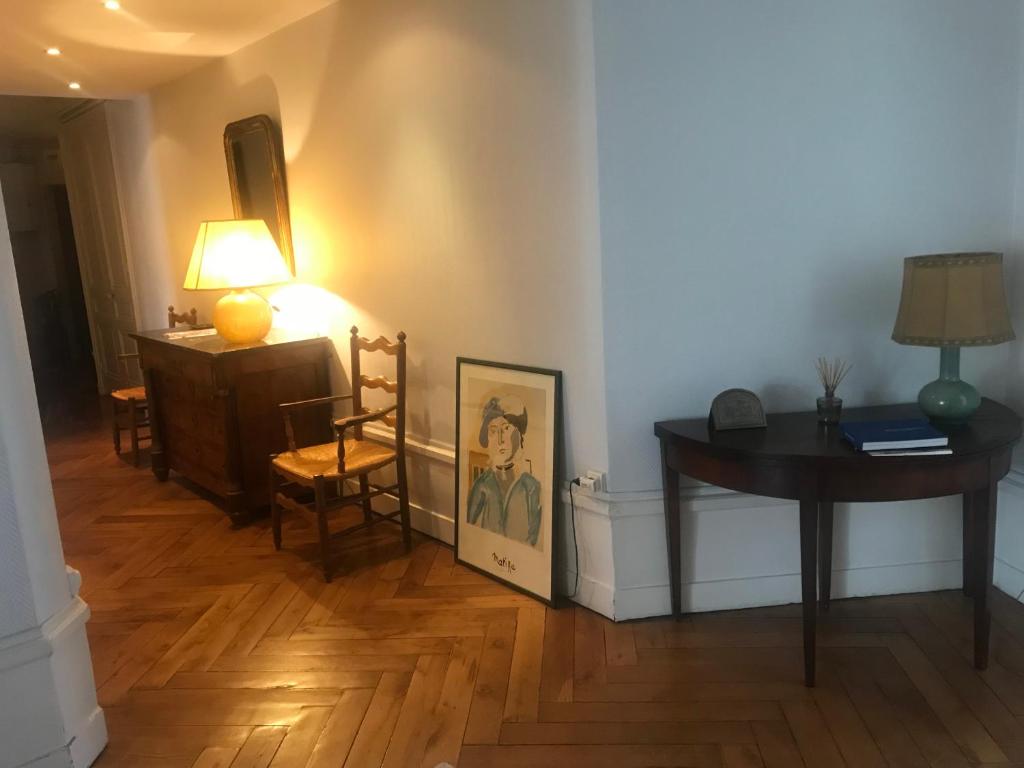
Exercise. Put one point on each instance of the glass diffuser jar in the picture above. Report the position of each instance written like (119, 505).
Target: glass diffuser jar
(830, 408)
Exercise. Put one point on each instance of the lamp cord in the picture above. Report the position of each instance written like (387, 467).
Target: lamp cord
(575, 542)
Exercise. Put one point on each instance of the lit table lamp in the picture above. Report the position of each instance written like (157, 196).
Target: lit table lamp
(952, 300)
(236, 256)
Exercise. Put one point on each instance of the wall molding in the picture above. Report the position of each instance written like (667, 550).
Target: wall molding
(432, 524)
(592, 528)
(50, 698)
(38, 643)
(645, 600)
(85, 745)
(1014, 479)
(598, 513)
(617, 505)
(636, 600)
(591, 593)
(431, 449)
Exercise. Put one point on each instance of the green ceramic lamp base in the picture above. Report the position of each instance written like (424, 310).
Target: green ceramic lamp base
(948, 399)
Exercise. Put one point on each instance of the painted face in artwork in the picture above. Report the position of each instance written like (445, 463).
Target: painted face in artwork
(503, 441)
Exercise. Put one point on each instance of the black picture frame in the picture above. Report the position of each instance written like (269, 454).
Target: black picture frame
(551, 495)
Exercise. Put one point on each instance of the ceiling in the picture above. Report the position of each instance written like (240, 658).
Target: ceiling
(115, 54)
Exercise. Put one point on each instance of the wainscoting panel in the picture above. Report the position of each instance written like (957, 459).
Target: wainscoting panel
(432, 496)
(739, 551)
(742, 551)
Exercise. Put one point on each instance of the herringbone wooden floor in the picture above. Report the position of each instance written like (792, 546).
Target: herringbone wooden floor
(212, 650)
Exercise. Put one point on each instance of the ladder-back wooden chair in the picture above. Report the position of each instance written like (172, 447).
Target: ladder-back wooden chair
(325, 468)
(130, 407)
(130, 412)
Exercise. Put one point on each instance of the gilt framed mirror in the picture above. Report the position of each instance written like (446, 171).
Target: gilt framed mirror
(255, 156)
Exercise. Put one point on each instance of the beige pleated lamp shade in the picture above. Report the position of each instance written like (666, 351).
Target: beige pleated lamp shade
(953, 300)
(239, 253)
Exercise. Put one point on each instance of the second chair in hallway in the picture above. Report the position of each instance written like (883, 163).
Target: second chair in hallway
(328, 467)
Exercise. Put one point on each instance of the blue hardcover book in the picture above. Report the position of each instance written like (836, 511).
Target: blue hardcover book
(890, 435)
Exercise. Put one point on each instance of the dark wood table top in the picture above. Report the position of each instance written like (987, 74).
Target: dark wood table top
(214, 344)
(799, 435)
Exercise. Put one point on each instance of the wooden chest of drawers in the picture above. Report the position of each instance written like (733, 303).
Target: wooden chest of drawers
(213, 407)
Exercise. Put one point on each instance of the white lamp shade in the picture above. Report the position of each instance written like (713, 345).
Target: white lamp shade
(235, 254)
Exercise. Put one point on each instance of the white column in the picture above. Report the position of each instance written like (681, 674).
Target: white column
(49, 717)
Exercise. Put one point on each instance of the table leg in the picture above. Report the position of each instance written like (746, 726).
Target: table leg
(968, 551)
(237, 509)
(809, 580)
(670, 483)
(983, 530)
(825, 553)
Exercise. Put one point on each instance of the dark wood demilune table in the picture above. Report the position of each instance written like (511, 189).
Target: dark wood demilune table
(213, 407)
(796, 458)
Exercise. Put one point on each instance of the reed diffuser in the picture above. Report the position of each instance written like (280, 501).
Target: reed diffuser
(831, 374)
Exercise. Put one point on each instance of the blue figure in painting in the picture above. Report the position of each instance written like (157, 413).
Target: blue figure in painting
(504, 499)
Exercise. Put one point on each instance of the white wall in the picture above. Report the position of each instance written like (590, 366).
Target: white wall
(441, 164)
(764, 168)
(1014, 268)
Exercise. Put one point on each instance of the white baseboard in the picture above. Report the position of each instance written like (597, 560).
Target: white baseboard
(1008, 578)
(48, 695)
(622, 547)
(83, 748)
(640, 546)
(59, 758)
(434, 465)
(1008, 570)
(88, 740)
(636, 602)
(592, 594)
(433, 524)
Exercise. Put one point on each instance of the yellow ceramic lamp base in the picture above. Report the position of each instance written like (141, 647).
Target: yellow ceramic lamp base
(242, 317)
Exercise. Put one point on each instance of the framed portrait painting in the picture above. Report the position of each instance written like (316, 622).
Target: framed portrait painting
(507, 447)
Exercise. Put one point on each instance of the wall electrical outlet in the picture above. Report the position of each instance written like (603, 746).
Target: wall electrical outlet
(597, 478)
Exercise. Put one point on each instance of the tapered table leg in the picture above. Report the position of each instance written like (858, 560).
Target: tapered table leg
(824, 553)
(809, 580)
(968, 551)
(670, 481)
(983, 534)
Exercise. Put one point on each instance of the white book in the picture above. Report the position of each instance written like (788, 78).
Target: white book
(920, 452)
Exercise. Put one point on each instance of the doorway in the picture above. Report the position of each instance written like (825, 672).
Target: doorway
(56, 175)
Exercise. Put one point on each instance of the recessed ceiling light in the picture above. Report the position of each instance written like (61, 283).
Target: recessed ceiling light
(74, 86)
(53, 51)
(112, 5)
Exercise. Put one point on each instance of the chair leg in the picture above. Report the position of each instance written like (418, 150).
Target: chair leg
(403, 504)
(320, 492)
(364, 489)
(133, 430)
(116, 425)
(275, 509)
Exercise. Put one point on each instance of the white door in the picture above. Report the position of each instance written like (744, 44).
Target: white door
(99, 237)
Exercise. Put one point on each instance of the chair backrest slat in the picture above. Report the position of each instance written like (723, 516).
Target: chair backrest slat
(379, 382)
(380, 344)
(395, 387)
